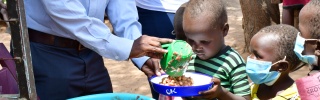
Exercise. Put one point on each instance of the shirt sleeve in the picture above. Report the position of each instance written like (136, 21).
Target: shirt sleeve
(239, 80)
(71, 17)
(123, 16)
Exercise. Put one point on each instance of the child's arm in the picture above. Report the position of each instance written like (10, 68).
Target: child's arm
(220, 93)
(239, 83)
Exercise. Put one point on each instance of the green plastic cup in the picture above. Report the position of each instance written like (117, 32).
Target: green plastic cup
(175, 61)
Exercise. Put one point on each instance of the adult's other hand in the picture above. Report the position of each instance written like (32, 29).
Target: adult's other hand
(152, 67)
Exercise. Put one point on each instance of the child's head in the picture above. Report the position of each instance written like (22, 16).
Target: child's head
(273, 44)
(177, 23)
(205, 25)
(309, 19)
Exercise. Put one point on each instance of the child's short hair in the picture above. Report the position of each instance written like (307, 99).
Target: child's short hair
(312, 21)
(285, 37)
(177, 22)
(214, 8)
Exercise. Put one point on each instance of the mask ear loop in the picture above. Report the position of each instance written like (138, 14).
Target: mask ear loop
(284, 59)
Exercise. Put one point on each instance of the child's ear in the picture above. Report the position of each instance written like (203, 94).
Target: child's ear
(225, 29)
(282, 66)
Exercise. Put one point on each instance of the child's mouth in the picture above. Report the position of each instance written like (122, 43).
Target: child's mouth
(200, 54)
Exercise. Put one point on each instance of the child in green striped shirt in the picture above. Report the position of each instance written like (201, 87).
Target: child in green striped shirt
(205, 26)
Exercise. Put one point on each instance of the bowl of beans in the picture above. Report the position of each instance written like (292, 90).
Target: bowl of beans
(113, 96)
(190, 84)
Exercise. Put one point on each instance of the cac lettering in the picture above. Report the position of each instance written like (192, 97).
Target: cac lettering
(171, 91)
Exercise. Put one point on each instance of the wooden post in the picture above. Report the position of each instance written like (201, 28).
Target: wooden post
(256, 15)
(21, 50)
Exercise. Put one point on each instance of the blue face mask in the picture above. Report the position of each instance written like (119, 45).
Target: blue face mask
(299, 47)
(259, 72)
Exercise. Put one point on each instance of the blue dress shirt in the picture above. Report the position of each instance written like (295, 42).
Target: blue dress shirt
(83, 20)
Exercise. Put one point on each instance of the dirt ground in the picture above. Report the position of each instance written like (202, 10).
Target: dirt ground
(126, 77)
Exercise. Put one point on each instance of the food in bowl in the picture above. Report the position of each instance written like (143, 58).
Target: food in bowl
(200, 82)
(177, 81)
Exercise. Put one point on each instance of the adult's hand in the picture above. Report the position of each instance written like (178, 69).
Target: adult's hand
(152, 67)
(148, 46)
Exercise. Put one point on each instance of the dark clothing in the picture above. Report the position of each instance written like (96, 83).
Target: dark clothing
(156, 23)
(68, 71)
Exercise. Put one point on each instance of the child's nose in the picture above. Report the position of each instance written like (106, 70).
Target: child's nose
(196, 47)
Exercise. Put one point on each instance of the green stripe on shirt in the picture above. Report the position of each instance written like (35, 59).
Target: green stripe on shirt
(228, 66)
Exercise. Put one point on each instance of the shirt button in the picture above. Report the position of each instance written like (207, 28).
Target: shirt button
(116, 57)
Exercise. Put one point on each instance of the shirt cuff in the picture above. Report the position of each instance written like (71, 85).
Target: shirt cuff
(139, 62)
(121, 47)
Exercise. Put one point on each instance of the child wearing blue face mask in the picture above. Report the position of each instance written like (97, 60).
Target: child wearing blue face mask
(272, 60)
(306, 43)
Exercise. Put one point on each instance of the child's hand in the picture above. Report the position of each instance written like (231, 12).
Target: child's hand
(218, 92)
(214, 92)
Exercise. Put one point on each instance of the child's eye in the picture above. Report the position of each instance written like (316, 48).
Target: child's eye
(205, 42)
(190, 41)
(256, 55)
